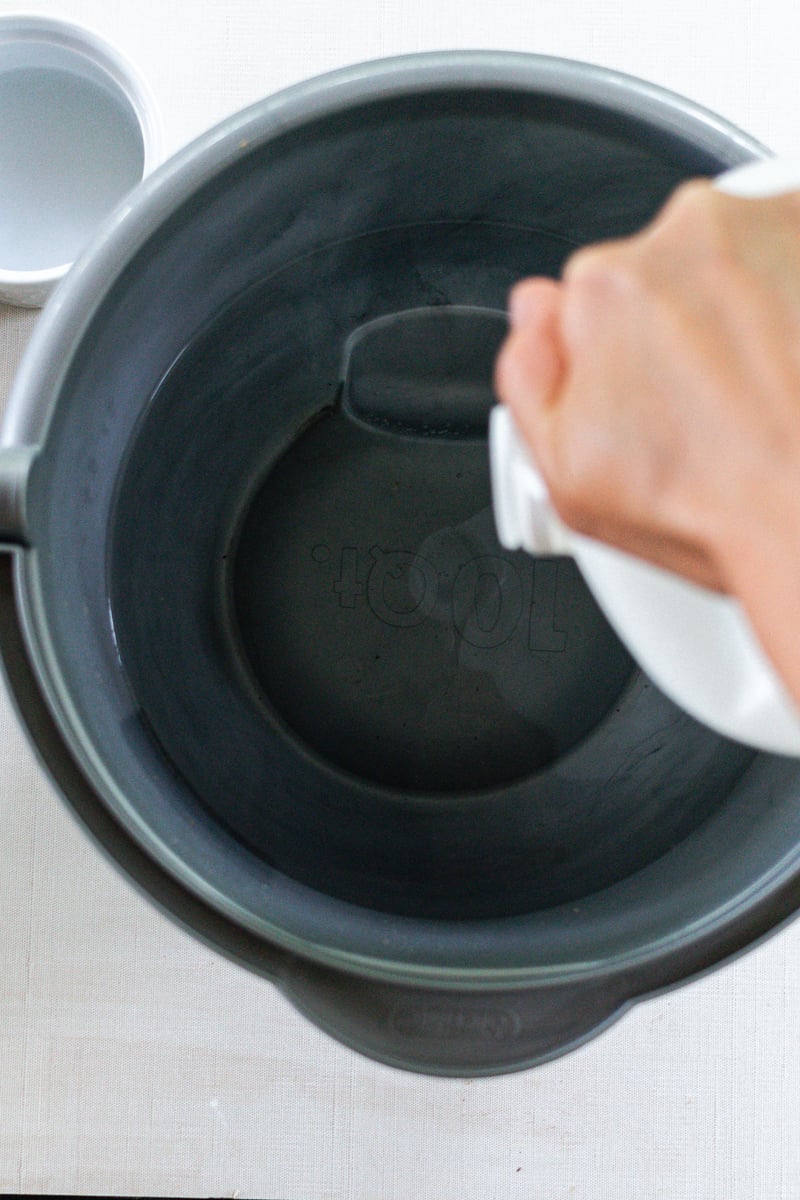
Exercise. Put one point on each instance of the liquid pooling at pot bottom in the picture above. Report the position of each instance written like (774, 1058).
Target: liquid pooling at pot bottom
(383, 622)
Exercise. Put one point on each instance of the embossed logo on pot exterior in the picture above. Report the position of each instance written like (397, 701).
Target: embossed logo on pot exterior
(437, 1020)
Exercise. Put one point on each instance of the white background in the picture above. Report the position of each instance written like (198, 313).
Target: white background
(132, 1060)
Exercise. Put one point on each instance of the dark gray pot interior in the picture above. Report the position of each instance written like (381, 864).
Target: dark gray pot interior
(319, 666)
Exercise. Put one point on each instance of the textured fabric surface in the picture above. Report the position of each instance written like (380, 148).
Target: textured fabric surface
(133, 1060)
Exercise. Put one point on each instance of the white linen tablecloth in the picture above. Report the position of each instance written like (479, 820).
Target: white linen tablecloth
(133, 1061)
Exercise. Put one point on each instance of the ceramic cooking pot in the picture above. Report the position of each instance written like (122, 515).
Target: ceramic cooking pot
(254, 612)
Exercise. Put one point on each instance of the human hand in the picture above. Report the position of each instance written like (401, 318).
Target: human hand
(658, 387)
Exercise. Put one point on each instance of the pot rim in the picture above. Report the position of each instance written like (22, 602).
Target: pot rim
(80, 295)
(123, 233)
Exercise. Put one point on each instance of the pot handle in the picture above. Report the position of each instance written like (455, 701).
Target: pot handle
(16, 464)
(424, 372)
(438, 1032)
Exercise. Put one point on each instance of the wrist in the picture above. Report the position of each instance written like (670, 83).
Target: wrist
(757, 524)
(758, 554)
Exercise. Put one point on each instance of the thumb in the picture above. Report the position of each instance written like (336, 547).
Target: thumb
(530, 367)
